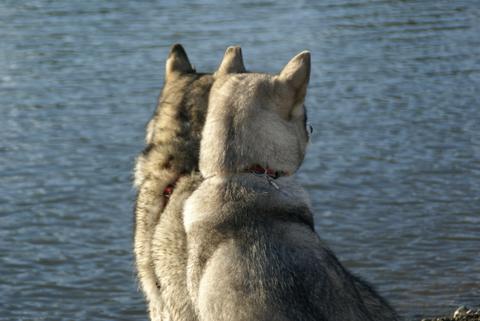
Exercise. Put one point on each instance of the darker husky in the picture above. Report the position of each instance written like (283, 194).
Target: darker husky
(253, 253)
(166, 174)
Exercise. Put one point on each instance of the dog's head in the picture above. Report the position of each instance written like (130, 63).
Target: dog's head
(256, 119)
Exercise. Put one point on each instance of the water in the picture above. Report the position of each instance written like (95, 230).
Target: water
(393, 169)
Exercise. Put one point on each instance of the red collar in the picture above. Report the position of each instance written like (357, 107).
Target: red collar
(167, 191)
(259, 170)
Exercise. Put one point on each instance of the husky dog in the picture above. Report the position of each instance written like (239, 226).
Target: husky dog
(172, 139)
(253, 253)
(166, 174)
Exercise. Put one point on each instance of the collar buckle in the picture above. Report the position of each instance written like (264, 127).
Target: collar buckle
(269, 174)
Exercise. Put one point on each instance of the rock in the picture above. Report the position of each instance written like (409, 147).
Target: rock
(461, 314)
(460, 311)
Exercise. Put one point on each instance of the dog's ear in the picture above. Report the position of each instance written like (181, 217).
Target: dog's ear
(232, 62)
(296, 74)
(177, 62)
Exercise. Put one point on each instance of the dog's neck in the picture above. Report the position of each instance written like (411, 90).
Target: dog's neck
(260, 170)
(256, 169)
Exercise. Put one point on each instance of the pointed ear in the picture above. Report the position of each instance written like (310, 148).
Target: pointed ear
(297, 73)
(232, 61)
(177, 61)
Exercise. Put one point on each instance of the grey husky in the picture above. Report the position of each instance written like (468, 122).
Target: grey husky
(253, 253)
(166, 173)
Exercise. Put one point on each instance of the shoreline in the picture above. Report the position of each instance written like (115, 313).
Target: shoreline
(462, 313)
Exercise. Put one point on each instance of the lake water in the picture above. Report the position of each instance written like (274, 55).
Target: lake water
(393, 169)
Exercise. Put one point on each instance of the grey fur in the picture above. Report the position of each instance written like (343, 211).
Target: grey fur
(160, 239)
(169, 253)
(253, 253)
(173, 137)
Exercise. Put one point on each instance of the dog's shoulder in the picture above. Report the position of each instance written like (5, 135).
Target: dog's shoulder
(233, 201)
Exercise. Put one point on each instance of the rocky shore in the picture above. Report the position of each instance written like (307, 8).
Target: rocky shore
(461, 314)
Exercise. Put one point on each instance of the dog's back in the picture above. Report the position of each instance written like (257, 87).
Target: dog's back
(259, 258)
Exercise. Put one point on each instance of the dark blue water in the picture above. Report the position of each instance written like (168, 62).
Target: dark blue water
(393, 169)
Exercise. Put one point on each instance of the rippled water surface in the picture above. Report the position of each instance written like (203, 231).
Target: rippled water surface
(393, 169)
